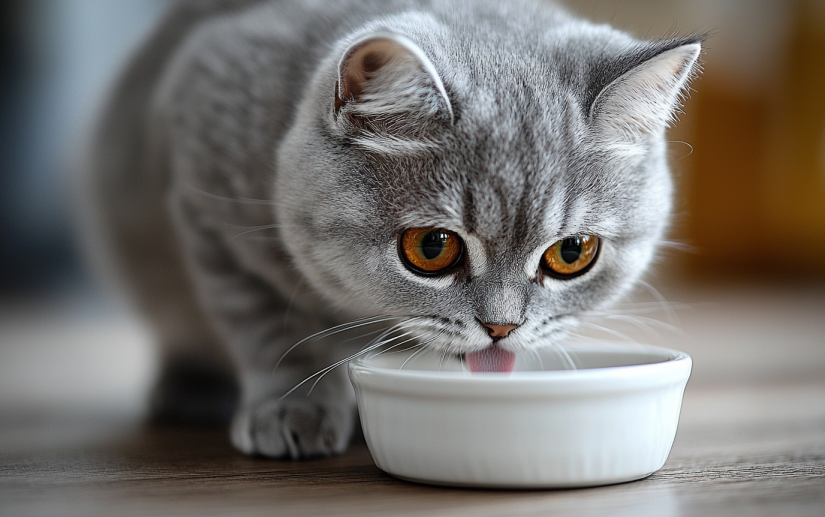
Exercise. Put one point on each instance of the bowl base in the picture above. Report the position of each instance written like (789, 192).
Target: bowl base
(522, 486)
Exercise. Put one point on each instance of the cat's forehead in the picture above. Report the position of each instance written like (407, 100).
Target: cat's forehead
(514, 184)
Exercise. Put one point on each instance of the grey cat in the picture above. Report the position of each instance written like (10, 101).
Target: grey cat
(475, 173)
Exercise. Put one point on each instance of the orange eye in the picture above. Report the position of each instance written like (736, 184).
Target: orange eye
(429, 251)
(571, 257)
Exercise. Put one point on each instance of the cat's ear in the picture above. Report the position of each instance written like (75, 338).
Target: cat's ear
(387, 86)
(645, 99)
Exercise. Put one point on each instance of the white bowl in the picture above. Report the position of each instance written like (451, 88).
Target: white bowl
(611, 420)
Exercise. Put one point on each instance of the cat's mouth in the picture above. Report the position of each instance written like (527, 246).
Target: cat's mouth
(491, 359)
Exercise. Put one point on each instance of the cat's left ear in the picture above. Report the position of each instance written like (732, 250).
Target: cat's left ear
(387, 86)
(645, 99)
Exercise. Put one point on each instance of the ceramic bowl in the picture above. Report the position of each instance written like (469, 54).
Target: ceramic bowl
(610, 420)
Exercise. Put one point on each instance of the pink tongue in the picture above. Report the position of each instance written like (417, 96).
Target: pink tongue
(491, 359)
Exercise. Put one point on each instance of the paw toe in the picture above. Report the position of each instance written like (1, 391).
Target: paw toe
(295, 429)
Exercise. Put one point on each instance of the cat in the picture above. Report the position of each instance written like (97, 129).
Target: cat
(471, 174)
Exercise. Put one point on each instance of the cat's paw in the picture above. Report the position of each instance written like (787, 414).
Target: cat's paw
(300, 428)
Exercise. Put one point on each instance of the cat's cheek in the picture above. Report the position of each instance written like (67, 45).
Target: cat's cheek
(631, 264)
(547, 331)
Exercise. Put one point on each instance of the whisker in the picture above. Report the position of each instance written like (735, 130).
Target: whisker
(339, 363)
(400, 351)
(574, 358)
(388, 341)
(661, 299)
(538, 356)
(376, 343)
(337, 329)
(394, 328)
(291, 300)
(565, 357)
(391, 351)
(254, 229)
(423, 343)
(249, 226)
(380, 337)
(680, 246)
(330, 367)
(362, 336)
(636, 308)
(423, 348)
(644, 327)
(607, 331)
(419, 351)
(682, 142)
(641, 320)
(245, 200)
(270, 239)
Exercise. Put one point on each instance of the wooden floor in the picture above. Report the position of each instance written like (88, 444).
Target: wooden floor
(751, 439)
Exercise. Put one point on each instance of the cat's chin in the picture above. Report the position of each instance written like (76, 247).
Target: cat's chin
(491, 359)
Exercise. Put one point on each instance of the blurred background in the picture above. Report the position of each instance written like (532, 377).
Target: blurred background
(747, 258)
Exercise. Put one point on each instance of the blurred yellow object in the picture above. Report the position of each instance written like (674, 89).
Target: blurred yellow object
(757, 184)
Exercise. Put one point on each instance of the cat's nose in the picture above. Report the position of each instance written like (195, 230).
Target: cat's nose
(498, 331)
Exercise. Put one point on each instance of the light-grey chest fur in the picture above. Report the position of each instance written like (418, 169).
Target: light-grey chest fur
(259, 159)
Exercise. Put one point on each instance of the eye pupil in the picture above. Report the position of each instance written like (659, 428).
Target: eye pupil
(432, 244)
(571, 249)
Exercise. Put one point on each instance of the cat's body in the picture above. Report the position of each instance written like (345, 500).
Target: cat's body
(259, 160)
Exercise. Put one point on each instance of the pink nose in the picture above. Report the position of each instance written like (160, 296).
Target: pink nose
(498, 330)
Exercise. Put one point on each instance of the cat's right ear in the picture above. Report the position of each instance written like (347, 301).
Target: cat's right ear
(389, 91)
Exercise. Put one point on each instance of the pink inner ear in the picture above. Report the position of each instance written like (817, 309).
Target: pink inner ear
(386, 84)
(362, 62)
(491, 359)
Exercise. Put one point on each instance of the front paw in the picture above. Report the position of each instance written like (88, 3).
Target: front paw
(297, 428)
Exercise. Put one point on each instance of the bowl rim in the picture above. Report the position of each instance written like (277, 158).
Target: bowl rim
(611, 379)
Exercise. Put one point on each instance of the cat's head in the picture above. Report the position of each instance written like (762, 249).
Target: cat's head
(489, 181)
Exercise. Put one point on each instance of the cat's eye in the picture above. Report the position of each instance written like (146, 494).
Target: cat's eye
(571, 257)
(430, 251)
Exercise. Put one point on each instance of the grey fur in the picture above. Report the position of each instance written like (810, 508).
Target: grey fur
(247, 210)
